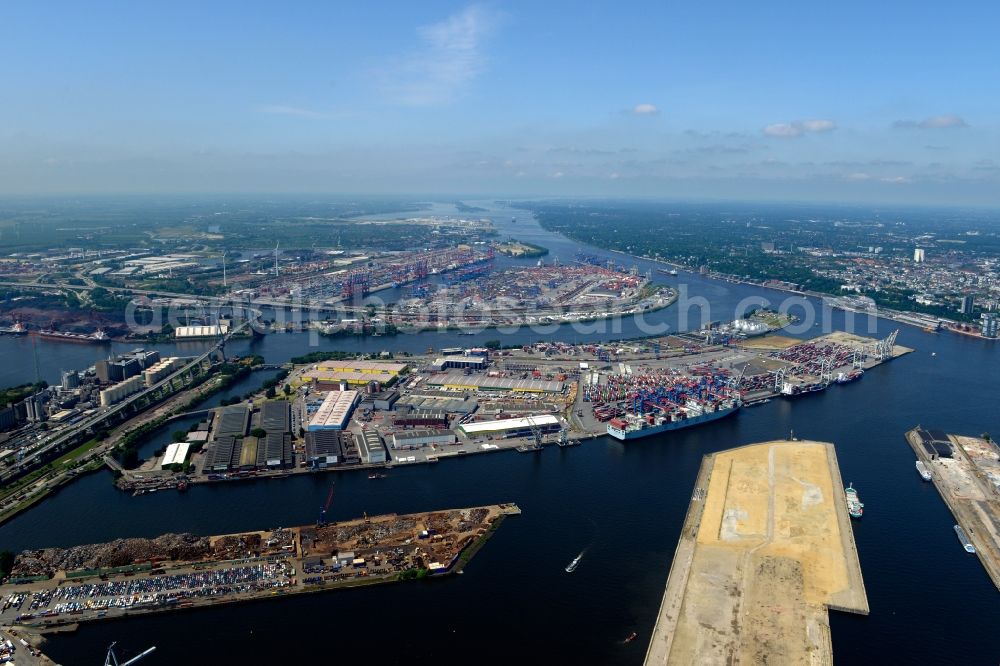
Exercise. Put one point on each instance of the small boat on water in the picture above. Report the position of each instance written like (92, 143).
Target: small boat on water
(17, 329)
(631, 637)
(854, 506)
(376, 475)
(571, 567)
(925, 473)
(755, 403)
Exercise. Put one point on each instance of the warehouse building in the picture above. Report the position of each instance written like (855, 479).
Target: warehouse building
(365, 367)
(234, 421)
(413, 439)
(522, 427)
(176, 454)
(324, 448)
(275, 416)
(278, 448)
(335, 411)
(382, 401)
(460, 363)
(219, 456)
(421, 420)
(456, 381)
(371, 447)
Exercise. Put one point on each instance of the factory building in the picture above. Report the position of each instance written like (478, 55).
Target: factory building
(70, 380)
(522, 427)
(160, 370)
(423, 420)
(335, 411)
(371, 447)
(118, 392)
(412, 439)
(219, 456)
(456, 381)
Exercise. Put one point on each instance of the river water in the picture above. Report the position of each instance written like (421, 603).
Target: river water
(930, 601)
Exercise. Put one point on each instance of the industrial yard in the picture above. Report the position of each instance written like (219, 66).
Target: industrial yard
(377, 413)
(766, 549)
(64, 586)
(966, 472)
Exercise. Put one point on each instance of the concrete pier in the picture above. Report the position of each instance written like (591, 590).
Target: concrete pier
(765, 551)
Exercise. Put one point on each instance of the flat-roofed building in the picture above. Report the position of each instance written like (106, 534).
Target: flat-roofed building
(456, 381)
(520, 427)
(410, 439)
(335, 411)
(323, 447)
(233, 421)
(371, 447)
(275, 416)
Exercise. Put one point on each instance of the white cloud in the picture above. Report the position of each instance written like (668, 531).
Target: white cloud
(799, 127)
(896, 180)
(558, 174)
(645, 109)
(615, 176)
(857, 176)
(450, 58)
(934, 122)
(282, 110)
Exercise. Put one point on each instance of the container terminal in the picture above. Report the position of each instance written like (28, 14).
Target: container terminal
(377, 413)
(51, 588)
(766, 550)
(966, 472)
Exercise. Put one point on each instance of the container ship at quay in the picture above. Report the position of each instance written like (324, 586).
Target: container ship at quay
(672, 403)
(98, 337)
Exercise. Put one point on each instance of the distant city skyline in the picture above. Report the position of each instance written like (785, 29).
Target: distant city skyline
(857, 103)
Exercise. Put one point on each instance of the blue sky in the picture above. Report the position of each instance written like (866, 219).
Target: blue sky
(852, 101)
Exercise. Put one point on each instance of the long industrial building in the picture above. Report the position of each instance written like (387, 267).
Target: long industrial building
(120, 391)
(520, 427)
(335, 411)
(457, 381)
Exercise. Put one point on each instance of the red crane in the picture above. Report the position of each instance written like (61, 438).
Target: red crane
(322, 511)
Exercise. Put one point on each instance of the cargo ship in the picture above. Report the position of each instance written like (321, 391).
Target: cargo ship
(17, 329)
(97, 337)
(925, 473)
(854, 506)
(672, 272)
(790, 390)
(636, 426)
(964, 538)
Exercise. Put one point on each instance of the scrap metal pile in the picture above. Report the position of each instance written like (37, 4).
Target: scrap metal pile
(117, 553)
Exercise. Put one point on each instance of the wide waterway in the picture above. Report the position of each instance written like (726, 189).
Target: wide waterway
(930, 601)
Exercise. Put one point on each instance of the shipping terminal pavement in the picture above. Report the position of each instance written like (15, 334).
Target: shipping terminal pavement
(766, 550)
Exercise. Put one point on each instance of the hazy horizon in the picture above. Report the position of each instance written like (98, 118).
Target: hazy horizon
(558, 100)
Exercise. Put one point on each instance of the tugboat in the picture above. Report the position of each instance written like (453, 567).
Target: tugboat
(854, 506)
